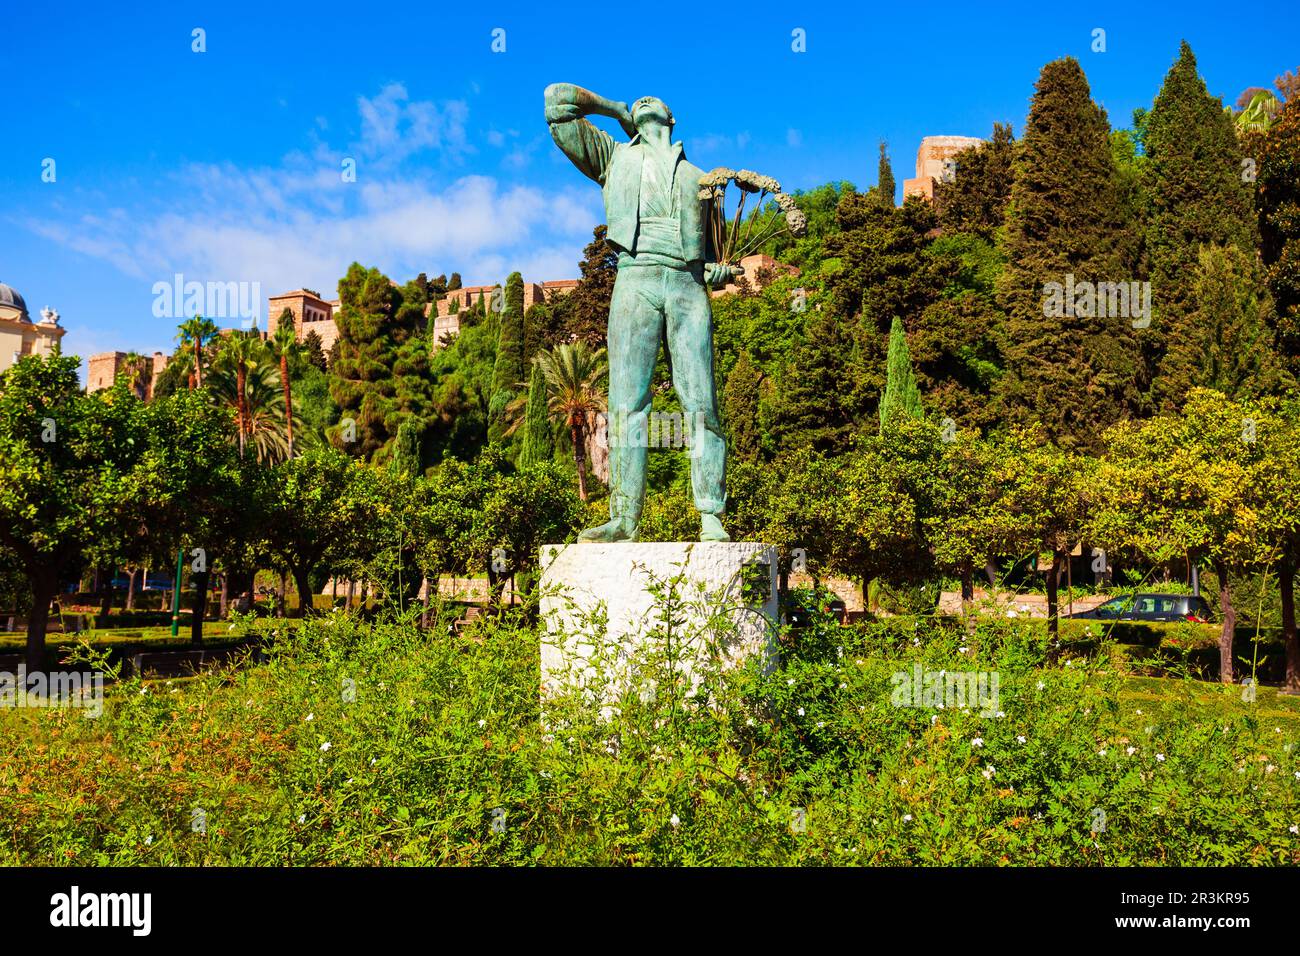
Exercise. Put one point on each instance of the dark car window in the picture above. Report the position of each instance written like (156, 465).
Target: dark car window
(1145, 604)
(1114, 607)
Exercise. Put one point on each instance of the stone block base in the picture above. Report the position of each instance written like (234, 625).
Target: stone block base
(602, 613)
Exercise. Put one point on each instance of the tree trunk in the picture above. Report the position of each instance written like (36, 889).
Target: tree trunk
(351, 591)
(1286, 579)
(225, 593)
(198, 361)
(106, 594)
(305, 604)
(288, 399)
(1229, 624)
(1053, 625)
(239, 399)
(580, 456)
(200, 606)
(45, 585)
(130, 589)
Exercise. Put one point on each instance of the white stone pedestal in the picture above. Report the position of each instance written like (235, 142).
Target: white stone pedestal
(600, 612)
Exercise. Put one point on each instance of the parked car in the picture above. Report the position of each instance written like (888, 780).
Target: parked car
(1150, 607)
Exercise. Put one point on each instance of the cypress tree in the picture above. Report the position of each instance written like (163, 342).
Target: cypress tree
(740, 409)
(1071, 370)
(818, 389)
(538, 442)
(1196, 197)
(901, 397)
(509, 369)
(885, 178)
(1278, 201)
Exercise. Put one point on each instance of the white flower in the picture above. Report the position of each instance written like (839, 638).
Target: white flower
(674, 820)
(962, 649)
(1101, 752)
(988, 772)
(1000, 714)
(977, 742)
(372, 761)
(482, 723)
(1294, 828)
(820, 724)
(907, 818)
(1139, 710)
(325, 746)
(1160, 758)
(800, 711)
(790, 682)
(148, 841)
(1041, 685)
(749, 721)
(1270, 768)
(311, 717)
(934, 717)
(843, 686)
(1012, 614)
(302, 818)
(1020, 739)
(1131, 751)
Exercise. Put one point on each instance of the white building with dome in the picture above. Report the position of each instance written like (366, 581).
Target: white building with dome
(19, 335)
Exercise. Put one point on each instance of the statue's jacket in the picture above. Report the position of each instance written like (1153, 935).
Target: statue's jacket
(617, 167)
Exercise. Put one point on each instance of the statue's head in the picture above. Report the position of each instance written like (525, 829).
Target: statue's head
(651, 109)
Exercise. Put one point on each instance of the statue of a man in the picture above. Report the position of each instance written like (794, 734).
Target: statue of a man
(656, 221)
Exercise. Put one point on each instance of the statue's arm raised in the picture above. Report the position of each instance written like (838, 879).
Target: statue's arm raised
(589, 148)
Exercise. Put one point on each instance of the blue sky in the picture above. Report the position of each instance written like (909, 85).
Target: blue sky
(225, 165)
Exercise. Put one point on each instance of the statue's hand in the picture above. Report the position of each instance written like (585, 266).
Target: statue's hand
(624, 117)
(719, 273)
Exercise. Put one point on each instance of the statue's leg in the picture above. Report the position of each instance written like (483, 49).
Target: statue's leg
(635, 331)
(690, 341)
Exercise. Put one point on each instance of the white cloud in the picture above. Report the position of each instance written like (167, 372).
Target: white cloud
(298, 224)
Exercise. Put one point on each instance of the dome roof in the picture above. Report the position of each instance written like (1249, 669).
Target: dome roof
(10, 297)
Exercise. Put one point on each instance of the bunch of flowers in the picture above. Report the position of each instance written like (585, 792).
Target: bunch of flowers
(734, 240)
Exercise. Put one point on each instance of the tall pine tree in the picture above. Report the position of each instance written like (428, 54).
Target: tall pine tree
(1196, 197)
(538, 441)
(1075, 372)
(902, 396)
(509, 369)
(885, 178)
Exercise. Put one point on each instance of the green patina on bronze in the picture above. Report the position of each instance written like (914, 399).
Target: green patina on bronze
(656, 221)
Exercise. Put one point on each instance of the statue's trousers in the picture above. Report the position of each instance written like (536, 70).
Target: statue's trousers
(651, 300)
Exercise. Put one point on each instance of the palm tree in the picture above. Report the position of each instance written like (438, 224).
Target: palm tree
(194, 332)
(284, 343)
(573, 374)
(240, 353)
(132, 368)
(265, 424)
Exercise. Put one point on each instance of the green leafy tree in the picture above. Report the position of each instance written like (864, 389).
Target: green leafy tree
(1071, 369)
(95, 479)
(321, 509)
(575, 396)
(193, 335)
(1186, 486)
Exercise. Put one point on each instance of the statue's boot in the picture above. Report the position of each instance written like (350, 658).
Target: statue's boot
(711, 529)
(616, 529)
